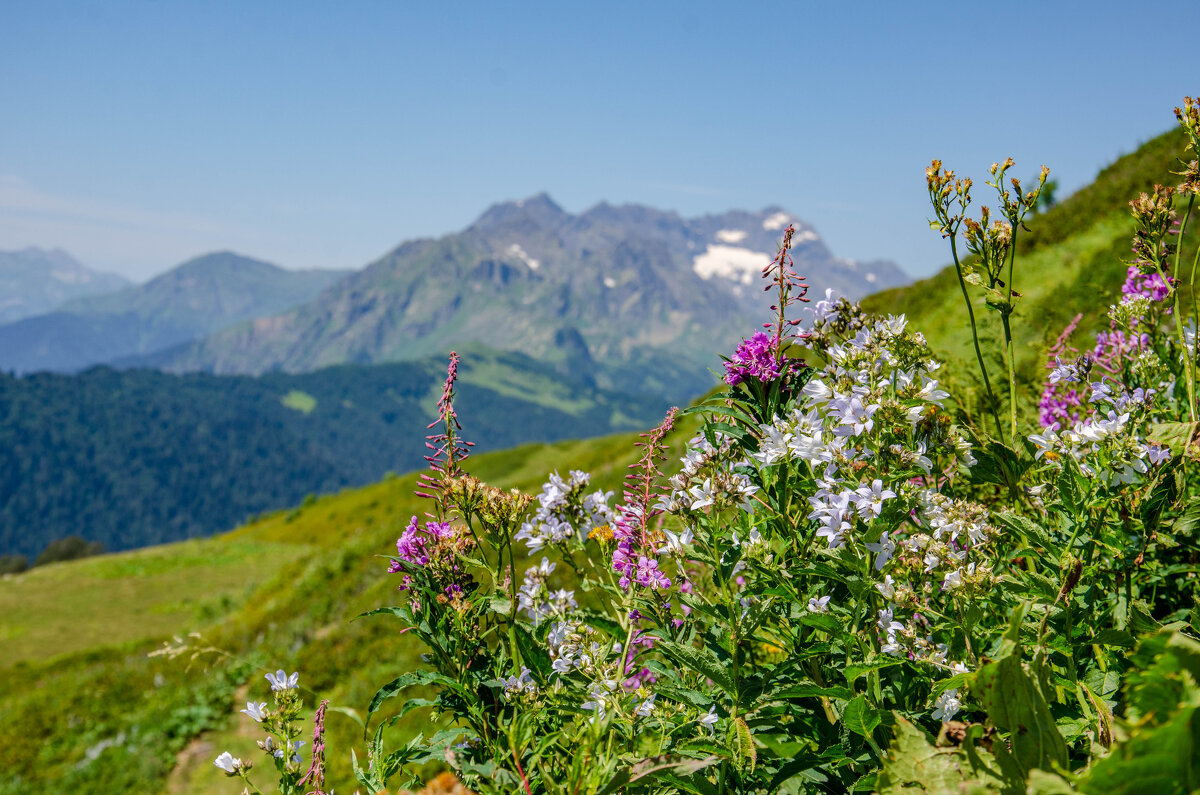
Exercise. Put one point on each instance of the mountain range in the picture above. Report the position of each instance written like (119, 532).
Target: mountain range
(196, 298)
(627, 298)
(34, 281)
(634, 298)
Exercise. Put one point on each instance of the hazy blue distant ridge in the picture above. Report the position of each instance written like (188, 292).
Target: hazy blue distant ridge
(189, 301)
(34, 281)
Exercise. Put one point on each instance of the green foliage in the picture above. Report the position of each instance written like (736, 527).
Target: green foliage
(300, 401)
(914, 764)
(69, 548)
(13, 564)
(1015, 705)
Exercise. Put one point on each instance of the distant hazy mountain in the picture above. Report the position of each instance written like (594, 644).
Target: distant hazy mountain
(196, 298)
(34, 281)
(635, 298)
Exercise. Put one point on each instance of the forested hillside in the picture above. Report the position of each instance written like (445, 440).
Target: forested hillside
(130, 458)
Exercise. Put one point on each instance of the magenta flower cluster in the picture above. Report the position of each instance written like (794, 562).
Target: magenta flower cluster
(1063, 403)
(410, 546)
(1059, 405)
(756, 358)
(1150, 285)
(629, 563)
(638, 675)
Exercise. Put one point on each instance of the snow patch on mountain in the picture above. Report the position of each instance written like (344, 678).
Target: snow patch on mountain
(518, 252)
(731, 235)
(731, 262)
(777, 221)
(71, 277)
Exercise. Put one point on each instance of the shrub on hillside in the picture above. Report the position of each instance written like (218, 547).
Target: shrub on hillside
(69, 548)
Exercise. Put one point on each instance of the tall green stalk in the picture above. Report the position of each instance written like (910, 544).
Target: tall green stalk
(987, 383)
(1189, 360)
(1009, 349)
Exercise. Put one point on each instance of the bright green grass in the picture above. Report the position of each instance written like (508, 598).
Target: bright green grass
(300, 401)
(543, 391)
(117, 599)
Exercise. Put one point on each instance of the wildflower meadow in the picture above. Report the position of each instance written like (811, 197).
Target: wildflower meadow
(863, 575)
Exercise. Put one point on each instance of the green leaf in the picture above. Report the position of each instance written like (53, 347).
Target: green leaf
(914, 765)
(601, 621)
(533, 654)
(702, 661)
(367, 778)
(952, 683)
(861, 718)
(999, 464)
(402, 613)
(1189, 519)
(854, 671)
(401, 683)
(1103, 683)
(1179, 437)
(500, 604)
(1111, 637)
(1030, 531)
(1162, 495)
(743, 748)
(1068, 489)
(1140, 619)
(734, 431)
(826, 623)
(683, 695)
(1160, 759)
(813, 690)
(1044, 783)
(1014, 703)
(791, 769)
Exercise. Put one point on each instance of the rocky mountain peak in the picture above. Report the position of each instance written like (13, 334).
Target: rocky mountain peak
(538, 211)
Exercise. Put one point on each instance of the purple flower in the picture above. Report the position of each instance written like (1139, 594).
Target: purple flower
(411, 545)
(649, 575)
(757, 358)
(1150, 285)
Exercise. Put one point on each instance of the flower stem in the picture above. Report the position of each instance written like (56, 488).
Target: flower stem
(1188, 363)
(1009, 350)
(974, 332)
(1189, 360)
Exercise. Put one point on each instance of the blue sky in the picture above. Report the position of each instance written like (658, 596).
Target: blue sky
(138, 134)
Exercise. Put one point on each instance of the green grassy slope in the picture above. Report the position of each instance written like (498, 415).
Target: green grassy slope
(1071, 260)
(86, 709)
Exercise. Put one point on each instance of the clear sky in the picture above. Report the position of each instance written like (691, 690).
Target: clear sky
(138, 134)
